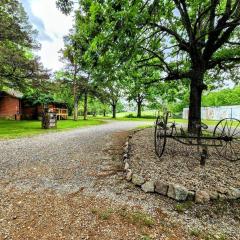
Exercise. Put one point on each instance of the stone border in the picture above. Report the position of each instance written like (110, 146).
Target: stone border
(171, 190)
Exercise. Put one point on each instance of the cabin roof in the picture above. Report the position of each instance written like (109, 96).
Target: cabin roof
(13, 93)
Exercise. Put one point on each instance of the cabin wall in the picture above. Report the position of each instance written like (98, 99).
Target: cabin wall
(9, 107)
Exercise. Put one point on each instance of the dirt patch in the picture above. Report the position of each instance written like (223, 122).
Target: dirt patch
(80, 193)
(46, 215)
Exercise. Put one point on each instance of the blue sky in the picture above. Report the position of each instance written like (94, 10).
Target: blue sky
(52, 25)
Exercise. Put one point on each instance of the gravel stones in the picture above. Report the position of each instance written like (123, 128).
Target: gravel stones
(180, 178)
(177, 192)
(148, 186)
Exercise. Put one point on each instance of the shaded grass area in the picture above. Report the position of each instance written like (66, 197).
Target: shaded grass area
(15, 129)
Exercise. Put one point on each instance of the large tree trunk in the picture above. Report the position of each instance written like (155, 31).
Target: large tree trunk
(85, 105)
(139, 109)
(75, 114)
(196, 88)
(114, 106)
(104, 112)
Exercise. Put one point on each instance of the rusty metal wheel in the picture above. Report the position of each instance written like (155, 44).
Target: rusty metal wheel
(160, 136)
(228, 132)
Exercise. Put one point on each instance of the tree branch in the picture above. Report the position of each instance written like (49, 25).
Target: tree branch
(181, 6)
(182, 43)
(221, 61)
(159, 57)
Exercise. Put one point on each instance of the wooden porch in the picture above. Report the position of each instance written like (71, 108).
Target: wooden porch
(62, 113)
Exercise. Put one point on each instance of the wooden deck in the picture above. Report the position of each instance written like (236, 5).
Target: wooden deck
(62, 114)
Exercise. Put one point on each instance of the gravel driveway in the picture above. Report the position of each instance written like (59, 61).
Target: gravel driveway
(63, 161)
(70, 185)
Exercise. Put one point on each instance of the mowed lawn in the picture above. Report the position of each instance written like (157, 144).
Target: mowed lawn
(150, 116)
(15, 129)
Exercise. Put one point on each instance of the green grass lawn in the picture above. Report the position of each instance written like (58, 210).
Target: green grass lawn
(124, 118)
(15, 129)
(185, 121)
(145, 114)
(208, 122)
(150, 116)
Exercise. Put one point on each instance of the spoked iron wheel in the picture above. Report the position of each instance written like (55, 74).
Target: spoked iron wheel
(160, 136)
(228, 130)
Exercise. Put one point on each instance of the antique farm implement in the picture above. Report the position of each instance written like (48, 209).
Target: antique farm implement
(225, 137)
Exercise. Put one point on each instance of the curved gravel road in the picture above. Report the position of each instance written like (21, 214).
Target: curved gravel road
(69, 185)
(64, 161)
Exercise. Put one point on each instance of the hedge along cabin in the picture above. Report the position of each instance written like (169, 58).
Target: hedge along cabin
(10, 104)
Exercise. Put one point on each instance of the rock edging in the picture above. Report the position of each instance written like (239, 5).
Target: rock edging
(171, 190)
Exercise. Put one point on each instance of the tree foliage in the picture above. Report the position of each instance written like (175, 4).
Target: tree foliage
(183, 40)
(18, 66)
(224, 97)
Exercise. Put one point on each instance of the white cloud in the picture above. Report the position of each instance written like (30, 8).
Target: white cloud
(57, 25)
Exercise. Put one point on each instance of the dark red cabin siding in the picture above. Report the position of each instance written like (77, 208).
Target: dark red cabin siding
(9, 106)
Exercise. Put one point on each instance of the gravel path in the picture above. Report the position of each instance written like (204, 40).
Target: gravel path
(62, 161)
(70, 185)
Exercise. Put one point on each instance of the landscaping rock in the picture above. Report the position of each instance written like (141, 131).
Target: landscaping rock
(233, 193)
(177, 192)
(161, 188)
(179, 166)
(126, 149)
(129, 175)
(213, 195)
(222, 190)
(222, 196)
(126, 166)
(148, 186)
(137, 180)
(202, 197)
(191, 196)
